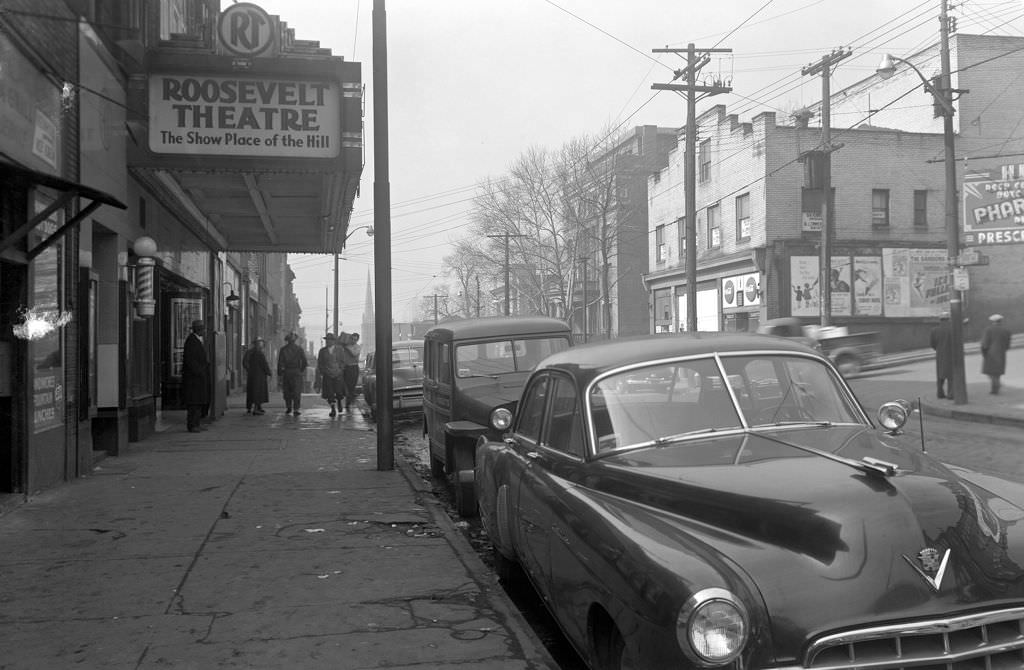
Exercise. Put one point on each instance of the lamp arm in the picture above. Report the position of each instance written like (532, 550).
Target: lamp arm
(947, 106)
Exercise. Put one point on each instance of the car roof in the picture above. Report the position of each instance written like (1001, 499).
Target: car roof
(589, 360)
(496, 326)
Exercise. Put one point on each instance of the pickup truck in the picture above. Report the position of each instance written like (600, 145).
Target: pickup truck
(850, 352)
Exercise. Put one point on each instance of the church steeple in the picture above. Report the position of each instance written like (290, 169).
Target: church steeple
(369, 332)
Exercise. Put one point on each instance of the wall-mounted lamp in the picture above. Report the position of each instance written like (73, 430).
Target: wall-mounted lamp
(232, 299)
(145, 249)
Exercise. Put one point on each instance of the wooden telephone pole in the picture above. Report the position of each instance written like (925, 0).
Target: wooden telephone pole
(824, 66)
(695, 60)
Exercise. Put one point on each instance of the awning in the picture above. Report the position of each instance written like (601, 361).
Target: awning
(13, 171)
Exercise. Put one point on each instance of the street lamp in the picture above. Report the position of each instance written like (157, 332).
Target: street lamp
(943, 95)
(369, 233)
(233, 298)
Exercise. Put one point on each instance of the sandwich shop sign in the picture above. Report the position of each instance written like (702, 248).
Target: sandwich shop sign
(244, 113)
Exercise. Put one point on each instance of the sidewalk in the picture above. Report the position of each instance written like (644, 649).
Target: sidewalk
(1006, 408)
(263, 542)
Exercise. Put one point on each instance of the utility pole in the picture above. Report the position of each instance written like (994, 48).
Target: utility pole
(478, 296)
(436, 296)
(824, 66)
(336, 324)
(695, 60)
(586, 299)
(382, 241)
(507, 236)
(956, 315)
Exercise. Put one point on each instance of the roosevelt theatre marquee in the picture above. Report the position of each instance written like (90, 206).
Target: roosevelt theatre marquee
(256, 135)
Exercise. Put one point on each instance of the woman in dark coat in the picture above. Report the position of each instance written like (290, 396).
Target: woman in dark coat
(994, 343)
(257, 372)
(941, 341)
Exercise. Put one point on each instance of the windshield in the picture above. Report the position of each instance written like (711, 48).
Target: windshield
(664, 403)
(487, 359)
(407, 356)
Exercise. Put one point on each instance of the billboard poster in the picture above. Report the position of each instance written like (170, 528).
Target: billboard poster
(867, 285)
(917, 282)
(839, 286)
(994, 207)
(803, 276)
(741, 290)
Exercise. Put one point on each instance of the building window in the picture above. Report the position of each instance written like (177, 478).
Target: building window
(659, 244)
(705, 160)
(714, 227)
(182, 19)
(920, 209)
(743, 217)
(681, 227)
(880, 208)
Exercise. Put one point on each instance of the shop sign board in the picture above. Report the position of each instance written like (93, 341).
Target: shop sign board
(30, 109)
(254, 116)
(994, 207)
(741, 290)
(245, 30)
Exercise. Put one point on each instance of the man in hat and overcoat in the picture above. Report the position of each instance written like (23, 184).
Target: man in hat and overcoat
(995, 340)
(257, 372)
(291, 368)
(328, 371)
(942, 343)
(195, 377)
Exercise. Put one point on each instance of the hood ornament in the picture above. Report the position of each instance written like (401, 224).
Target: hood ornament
(930, 564)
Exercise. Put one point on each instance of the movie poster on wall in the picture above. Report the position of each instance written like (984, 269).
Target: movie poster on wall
(839, 285)
(867, 285)
(916, 282)
(803, 276)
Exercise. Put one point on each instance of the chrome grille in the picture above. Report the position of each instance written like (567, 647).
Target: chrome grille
(991, 640)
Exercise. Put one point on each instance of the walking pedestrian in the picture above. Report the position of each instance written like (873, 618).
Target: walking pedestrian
(995, 340)
(195, 377)
(942, 343)
(291, 368)
(349, 355)
(257, 372)
(328, 371)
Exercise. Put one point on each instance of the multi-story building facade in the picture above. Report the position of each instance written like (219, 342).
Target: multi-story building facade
(758, 203)
(614, 244)
(135, 202)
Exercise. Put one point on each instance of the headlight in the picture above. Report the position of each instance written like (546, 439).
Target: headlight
(892, 415)
(712, 627)
(501, 419)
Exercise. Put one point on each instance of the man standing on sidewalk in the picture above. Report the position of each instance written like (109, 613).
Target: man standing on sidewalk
(328, 373)
(195, 377)
(291, 368)
(994, 343)
(349, 353)
(942, 343)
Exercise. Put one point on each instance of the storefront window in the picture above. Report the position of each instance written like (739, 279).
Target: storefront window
(46, 376)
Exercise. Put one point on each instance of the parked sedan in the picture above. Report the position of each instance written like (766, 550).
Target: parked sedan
(747, 514)
(406, 379)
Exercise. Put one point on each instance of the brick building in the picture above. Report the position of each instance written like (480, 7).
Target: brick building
(759, 203)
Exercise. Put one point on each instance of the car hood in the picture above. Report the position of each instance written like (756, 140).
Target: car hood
(821, 536)
(476, 402)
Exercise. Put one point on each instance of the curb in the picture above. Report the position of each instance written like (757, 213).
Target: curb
(533, 651)
(969, 415)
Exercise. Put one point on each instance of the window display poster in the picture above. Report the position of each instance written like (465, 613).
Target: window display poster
(839, 285)
(917, 282)
(47, 373)
(803, 276)
(867, 285)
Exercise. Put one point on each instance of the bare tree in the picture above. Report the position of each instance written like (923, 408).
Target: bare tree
(470, 267)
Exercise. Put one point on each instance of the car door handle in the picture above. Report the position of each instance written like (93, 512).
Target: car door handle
(533, 455)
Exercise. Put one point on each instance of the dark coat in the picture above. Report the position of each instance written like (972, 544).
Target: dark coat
(257, 370)
(195, 372)
(291, 358)
(994, 343)
(942, 343)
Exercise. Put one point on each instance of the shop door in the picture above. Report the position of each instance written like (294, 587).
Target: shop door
(12, 376)
(178, 310)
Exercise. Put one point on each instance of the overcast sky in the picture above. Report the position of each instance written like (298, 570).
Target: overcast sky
(472, 84)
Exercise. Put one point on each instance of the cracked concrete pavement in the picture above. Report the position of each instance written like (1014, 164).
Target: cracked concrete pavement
(263, 542)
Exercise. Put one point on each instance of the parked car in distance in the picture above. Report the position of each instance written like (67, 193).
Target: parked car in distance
(749, 514)
(474, 368)
(406, 379)
(851, 352)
